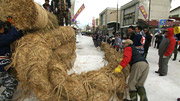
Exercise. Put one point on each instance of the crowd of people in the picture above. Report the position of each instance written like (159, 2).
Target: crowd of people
(135, 49)
(142, 40)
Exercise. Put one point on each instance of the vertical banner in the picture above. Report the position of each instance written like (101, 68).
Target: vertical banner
(143, 11)
(93, 23)
(78, 12)
(162, 23)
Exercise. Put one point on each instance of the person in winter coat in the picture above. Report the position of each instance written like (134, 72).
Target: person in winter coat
(95, 39)
(117, 43)
(47, 6)
(6, 79)
(54, 6)
(64, 12)
(99, 39)
(159, 38)
(138, 40)
(147, 42)
(109, 41)
(139, 68)
(165, 51)
(175, 49)
(131, 33)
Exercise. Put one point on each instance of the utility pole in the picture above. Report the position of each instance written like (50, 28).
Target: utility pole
(117, 18)
(149, 13)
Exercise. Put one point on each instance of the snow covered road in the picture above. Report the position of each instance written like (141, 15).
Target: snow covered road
(166, 88)
(88, 57)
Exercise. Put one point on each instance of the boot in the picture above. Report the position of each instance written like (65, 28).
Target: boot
(133, 95)
(142, 93)
(175, 55)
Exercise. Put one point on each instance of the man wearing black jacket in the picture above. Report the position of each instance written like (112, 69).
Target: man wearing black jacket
(47, 6)
(147, 42)
(7, 36)
(131, 32)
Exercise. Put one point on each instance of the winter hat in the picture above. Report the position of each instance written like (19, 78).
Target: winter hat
(128, 41)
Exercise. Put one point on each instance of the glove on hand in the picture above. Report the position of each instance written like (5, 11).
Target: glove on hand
(118, 69)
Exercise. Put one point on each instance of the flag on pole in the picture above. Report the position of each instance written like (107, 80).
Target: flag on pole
(162, 23)
(93, 22)
(143, 11)
(78, 12)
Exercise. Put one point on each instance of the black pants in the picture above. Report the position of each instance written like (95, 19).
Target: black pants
(155, 45)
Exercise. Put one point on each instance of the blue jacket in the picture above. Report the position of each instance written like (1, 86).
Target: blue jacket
(5, 40)
(118, 42)
(137, 40)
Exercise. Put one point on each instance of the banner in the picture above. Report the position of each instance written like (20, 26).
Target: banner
(78, 12)
(162, 23)
(93, 22)
(143, 11)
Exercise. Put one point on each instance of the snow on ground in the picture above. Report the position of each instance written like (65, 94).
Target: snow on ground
(88, 57)
(166, 88)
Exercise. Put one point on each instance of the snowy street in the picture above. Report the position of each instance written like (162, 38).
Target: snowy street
(158, 88)
(164, 88)
(88, 57)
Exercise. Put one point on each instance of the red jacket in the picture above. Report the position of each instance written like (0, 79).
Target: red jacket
(172, 42)
(127, 57)
(131, 56)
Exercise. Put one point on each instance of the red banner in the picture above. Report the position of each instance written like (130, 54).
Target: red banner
(78, 12)
(143, 11)
(93, 22)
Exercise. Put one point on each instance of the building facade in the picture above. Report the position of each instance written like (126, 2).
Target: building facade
(130, 13)
(108, 16)
(175, 12)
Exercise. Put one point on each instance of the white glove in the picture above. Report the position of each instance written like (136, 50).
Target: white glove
(164, 56)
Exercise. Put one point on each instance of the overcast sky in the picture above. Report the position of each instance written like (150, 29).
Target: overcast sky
(94, 7)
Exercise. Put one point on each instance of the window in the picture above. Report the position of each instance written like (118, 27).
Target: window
(129, 19)
(103, 19)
